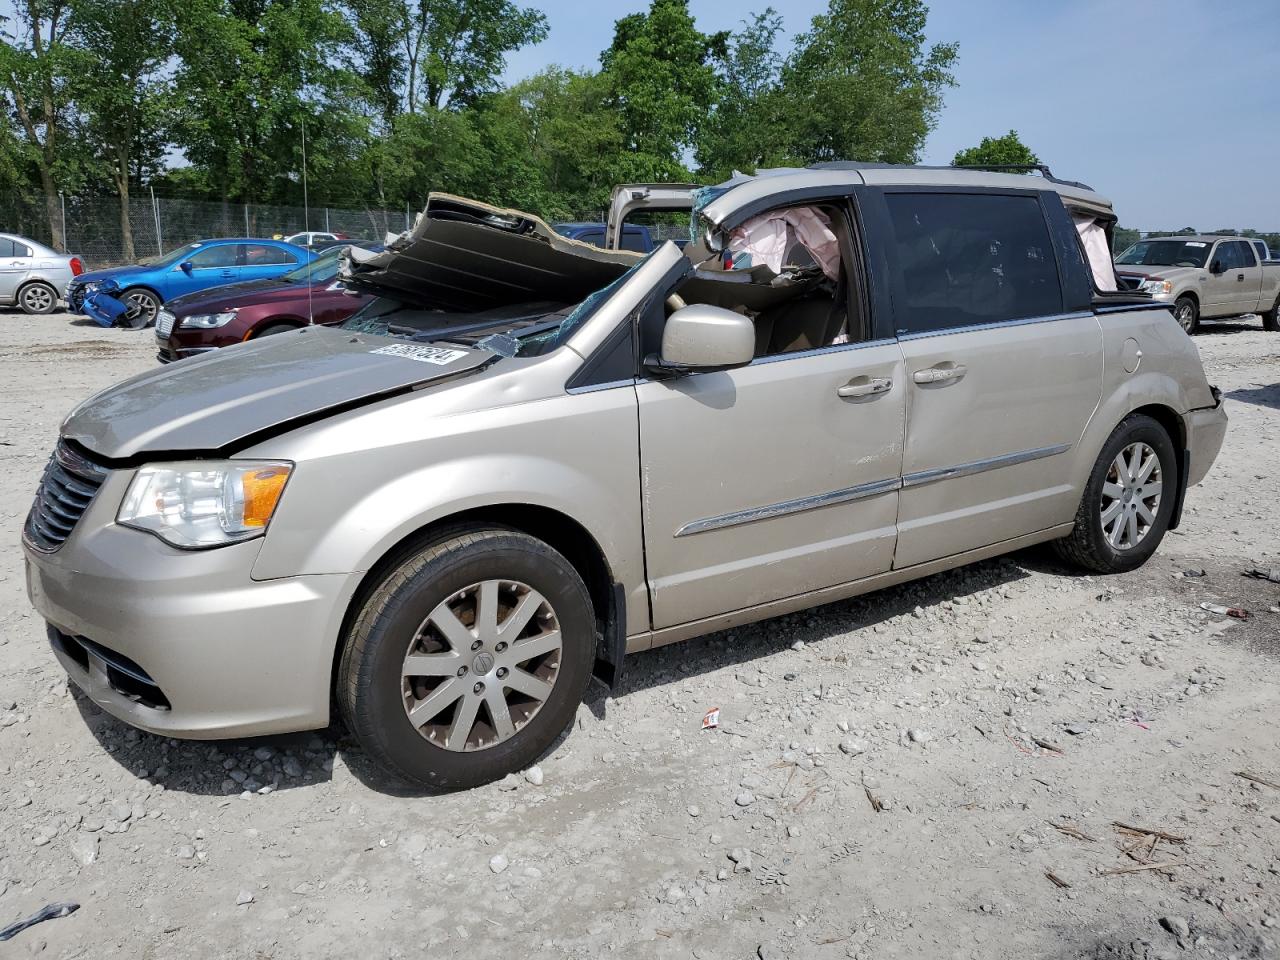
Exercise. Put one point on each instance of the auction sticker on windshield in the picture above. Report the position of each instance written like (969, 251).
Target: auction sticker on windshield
(440, 356)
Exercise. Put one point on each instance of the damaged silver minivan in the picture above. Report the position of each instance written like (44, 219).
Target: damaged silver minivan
(528, 457)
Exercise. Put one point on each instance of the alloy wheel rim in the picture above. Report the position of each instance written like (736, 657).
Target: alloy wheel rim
(1131, 495)
(38, 298)
(1184, 316)
(141, 305)
(481, 665)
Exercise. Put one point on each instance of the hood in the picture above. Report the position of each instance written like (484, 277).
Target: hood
(1166, 273)
(230, 295)
(110, 273)
(221, 399)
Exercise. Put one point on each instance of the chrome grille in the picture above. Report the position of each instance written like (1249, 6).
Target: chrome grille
(67, 488)
(164, 324)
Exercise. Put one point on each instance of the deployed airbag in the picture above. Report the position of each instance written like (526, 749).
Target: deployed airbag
(770, 238)
(1094, 240)
(466, 255)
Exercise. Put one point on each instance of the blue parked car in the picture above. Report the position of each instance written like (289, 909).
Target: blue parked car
(131, 296)
(635, 236)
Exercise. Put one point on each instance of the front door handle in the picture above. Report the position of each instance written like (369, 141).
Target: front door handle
(940, 374)
(1240, 277)
(865, 387)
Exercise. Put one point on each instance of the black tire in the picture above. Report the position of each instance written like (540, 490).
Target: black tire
(1087, 545)
(369, 681)
(1271, 319)
(38, 298)
(275, 328)
(144, 306)
(1187, 312)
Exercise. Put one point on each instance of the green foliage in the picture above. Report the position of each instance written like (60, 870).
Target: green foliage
(997, 151)
(661, 78)
(209, 99)
(1122, 238)
(861, 84)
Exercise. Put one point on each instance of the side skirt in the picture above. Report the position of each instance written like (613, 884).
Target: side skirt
(815, 598)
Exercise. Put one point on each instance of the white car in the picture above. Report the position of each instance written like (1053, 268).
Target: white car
(33, 276)
(312, 238)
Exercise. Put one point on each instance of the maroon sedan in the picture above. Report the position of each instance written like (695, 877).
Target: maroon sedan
(237, 312)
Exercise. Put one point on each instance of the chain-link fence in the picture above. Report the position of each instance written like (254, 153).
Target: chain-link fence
(95, 230)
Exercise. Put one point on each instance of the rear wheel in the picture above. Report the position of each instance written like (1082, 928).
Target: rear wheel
(1271, 319)
(1128, 500)
(1187, 313)
(143, 306)
(38, 298)
(469, 659)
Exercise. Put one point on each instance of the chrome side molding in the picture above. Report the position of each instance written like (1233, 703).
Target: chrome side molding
(864, 490)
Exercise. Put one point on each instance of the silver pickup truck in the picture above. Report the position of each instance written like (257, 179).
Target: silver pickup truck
(1204, 277)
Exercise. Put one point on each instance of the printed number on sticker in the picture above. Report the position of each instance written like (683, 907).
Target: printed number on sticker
(423, 353)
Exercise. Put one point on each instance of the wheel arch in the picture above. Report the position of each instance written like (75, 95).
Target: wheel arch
(556, 529)
(279, 320)
(33, 281)
(146, 288)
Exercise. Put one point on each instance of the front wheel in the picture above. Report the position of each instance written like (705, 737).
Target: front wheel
(469, 659)
(143, 306)
(1127, 501)
(1187, 313)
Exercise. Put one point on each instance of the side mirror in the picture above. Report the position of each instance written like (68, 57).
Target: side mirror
(185, 266)
(704, 338)
(1216, 267)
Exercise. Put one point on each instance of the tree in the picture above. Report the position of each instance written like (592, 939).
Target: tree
(862, 85)
(997, 151)
(251, 74)
(40, 70)
(126, 95)
(747, 127)
(1122, 238)
(440, 52)
(661, 79)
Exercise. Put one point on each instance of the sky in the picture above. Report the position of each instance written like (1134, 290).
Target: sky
(1171, 108)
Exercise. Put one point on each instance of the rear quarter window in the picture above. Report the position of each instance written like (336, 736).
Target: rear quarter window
(964, 260)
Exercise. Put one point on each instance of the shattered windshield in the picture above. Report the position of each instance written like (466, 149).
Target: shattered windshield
(523, 329)
(1166, 253)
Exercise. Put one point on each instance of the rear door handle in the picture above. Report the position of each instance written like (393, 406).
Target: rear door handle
(940, 374)
(865, 387)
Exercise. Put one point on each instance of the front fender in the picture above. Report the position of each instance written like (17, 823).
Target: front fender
(367, 479)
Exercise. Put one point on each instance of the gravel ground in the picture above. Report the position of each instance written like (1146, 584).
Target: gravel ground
(902, 775)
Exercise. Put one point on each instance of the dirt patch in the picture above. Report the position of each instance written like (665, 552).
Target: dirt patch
(879, 786)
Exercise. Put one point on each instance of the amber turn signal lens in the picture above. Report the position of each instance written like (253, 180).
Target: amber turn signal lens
(262, 489)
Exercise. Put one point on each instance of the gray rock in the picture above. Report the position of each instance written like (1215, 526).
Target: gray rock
(916, 735)
(1077, 728)
(694, 810)
(534, 775)
(673, 894)
(244, 898)
(1178, 926)
(185, 852)
(853, 747)
(745, 799)
(498, 863)
(84, 847)
(264, 753)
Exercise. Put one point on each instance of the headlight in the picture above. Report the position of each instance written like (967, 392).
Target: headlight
(207, 321)
(204, 503)
(1156, 287)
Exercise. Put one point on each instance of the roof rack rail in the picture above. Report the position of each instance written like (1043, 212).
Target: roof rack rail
(1042, 168)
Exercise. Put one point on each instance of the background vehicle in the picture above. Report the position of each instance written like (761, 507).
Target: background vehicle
(1264, 252)
(1204, 278)
(197, 266)
(316, 240)
(32, 276)
(451, 517)
(635, 236)
(200, 322)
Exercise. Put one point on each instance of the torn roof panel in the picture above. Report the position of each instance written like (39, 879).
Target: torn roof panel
(465, 255)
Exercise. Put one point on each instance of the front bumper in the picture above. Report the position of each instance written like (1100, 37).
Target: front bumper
(186, 643)
(1206, 429)
(168, 354)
